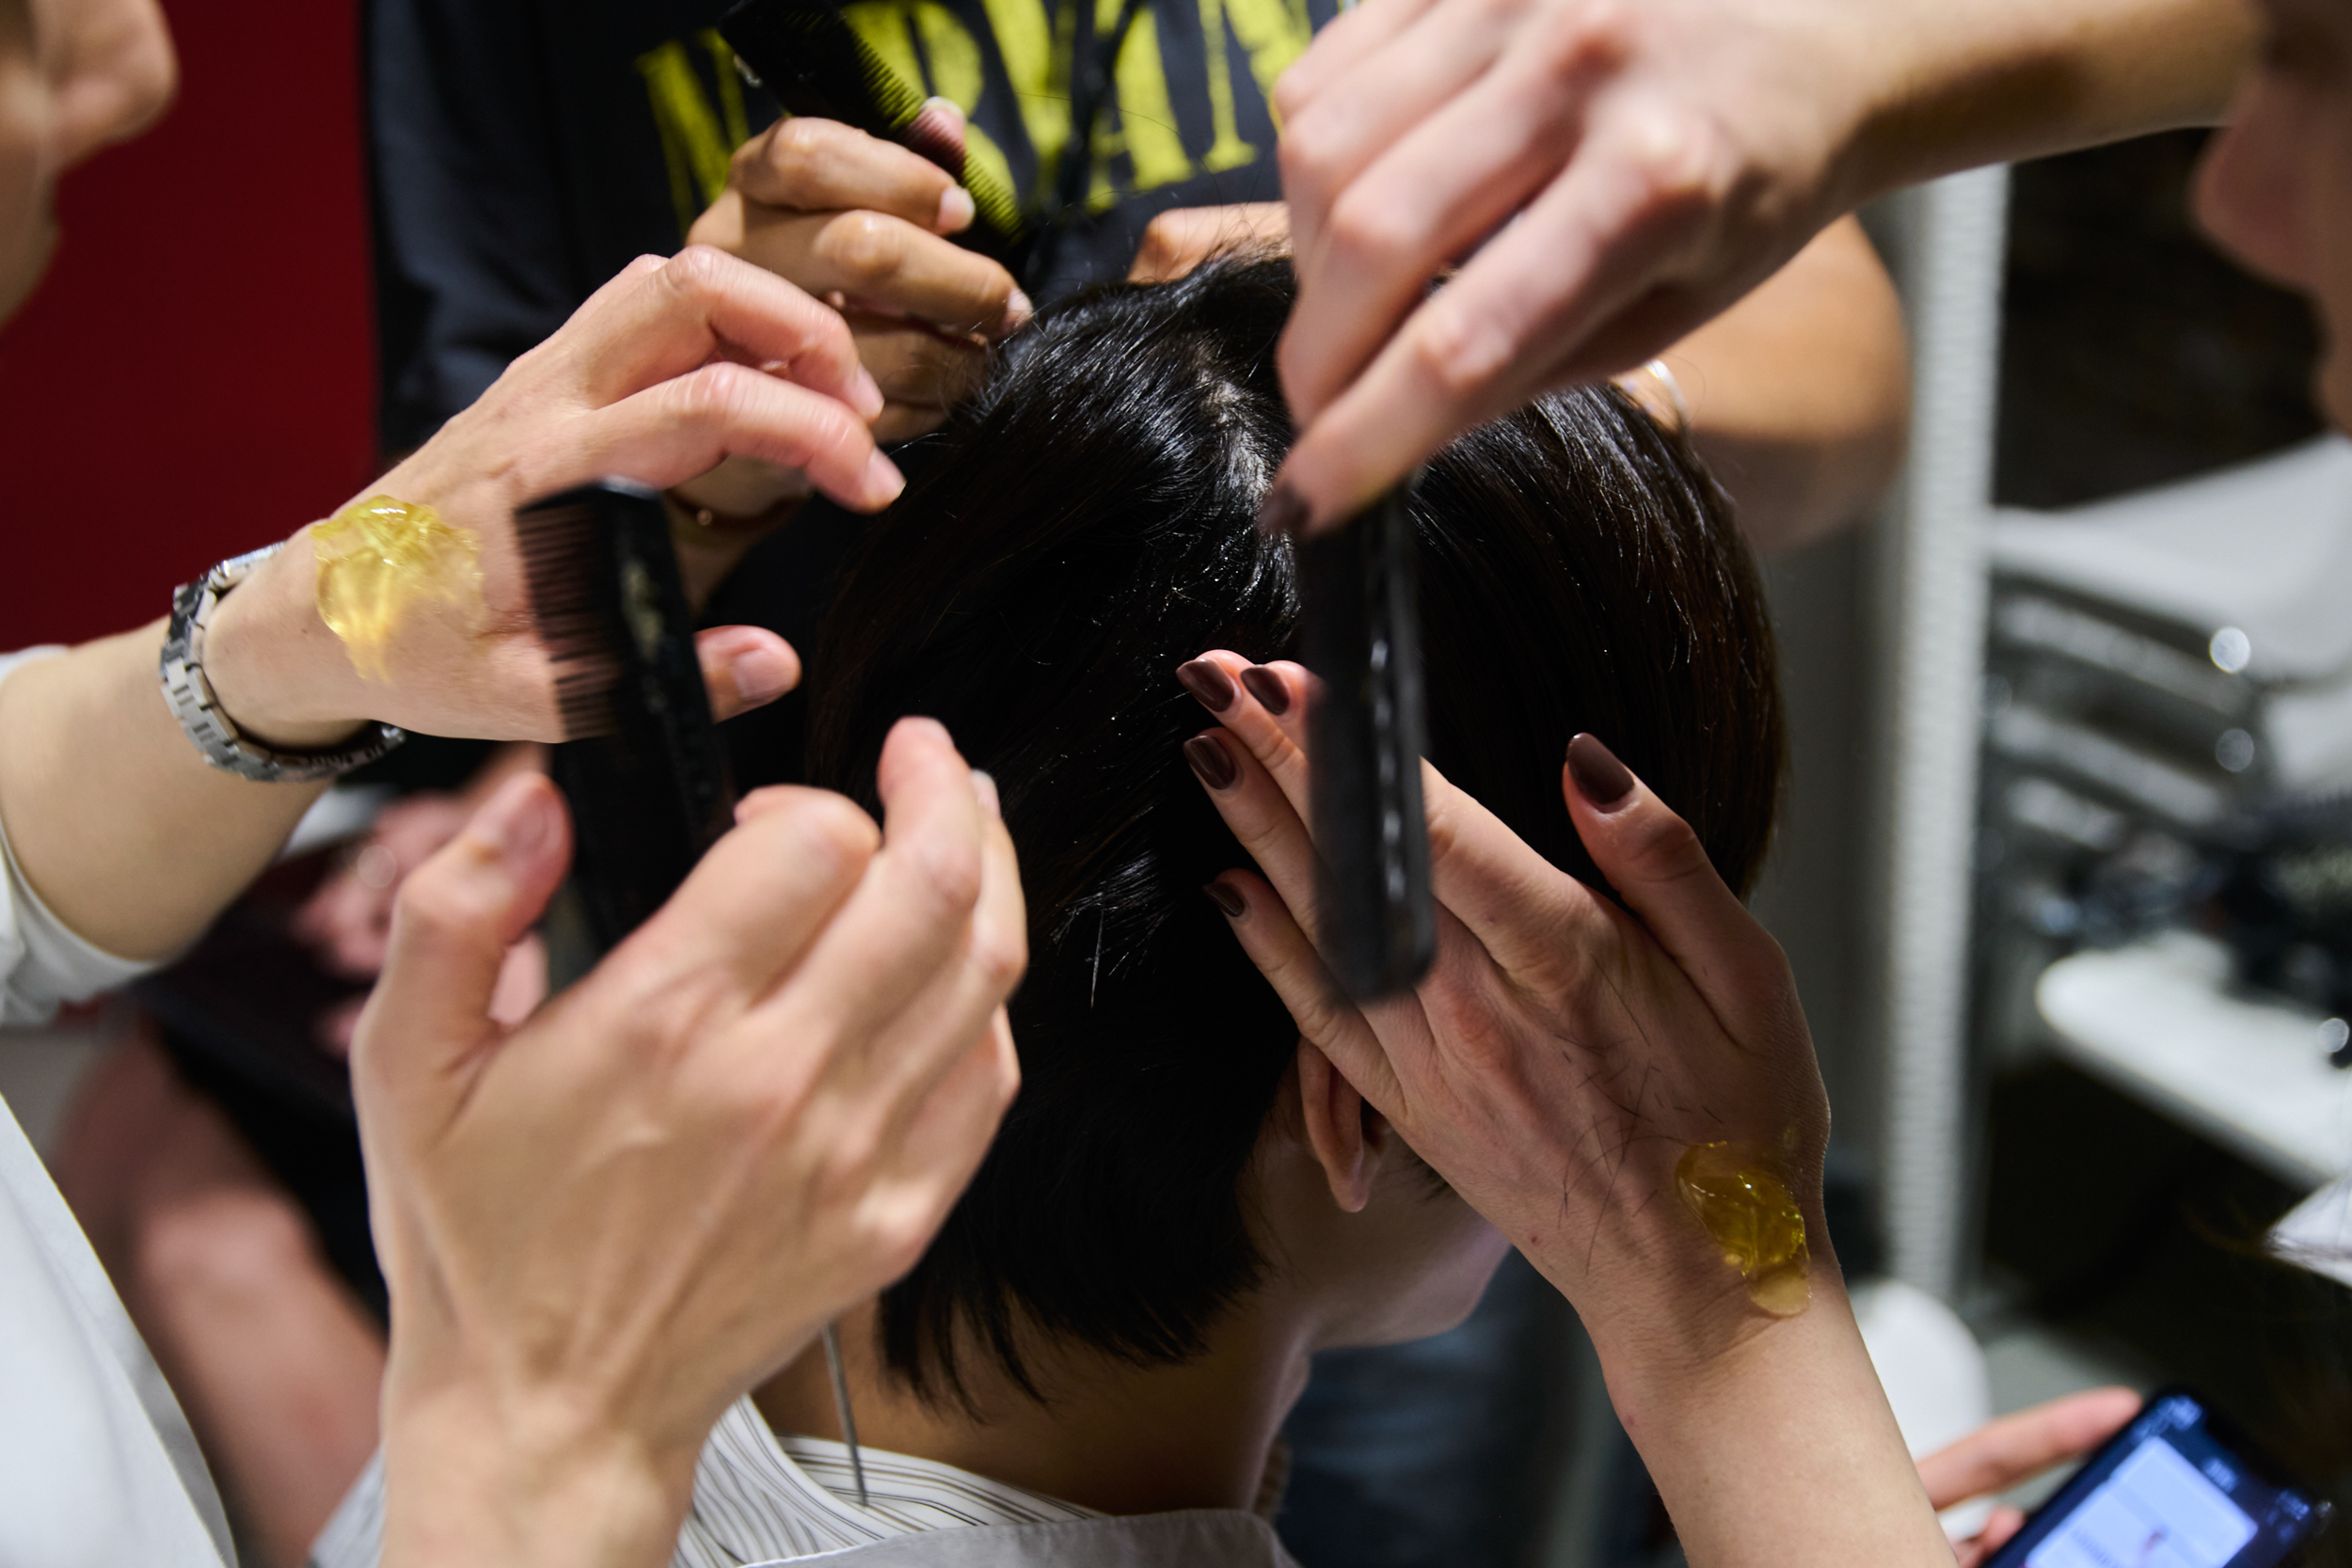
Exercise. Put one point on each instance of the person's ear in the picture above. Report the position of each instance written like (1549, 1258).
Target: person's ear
(1348, 1136)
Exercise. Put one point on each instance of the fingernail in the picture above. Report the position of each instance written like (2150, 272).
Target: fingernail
(955, 210)
(869, 395)
(1225, 898)
(1018, 310)
(1209, 758)
(1268, 686)
(761, 674)
(883, 482)
(1209, 685)
(1282, 511)
(985, 788)
(519, 821)
(1601, 778)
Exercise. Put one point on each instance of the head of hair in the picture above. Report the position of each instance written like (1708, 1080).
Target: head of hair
(1083, 526)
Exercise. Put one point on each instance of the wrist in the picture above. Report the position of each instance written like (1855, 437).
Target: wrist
(275, 669)
(521, 1481)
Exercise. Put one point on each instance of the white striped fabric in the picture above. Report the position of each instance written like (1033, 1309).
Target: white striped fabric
(760, 1498)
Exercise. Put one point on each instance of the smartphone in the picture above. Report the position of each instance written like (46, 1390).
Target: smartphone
(2177, 1488)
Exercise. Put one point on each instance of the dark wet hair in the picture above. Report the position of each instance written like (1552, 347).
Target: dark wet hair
(1084, 526)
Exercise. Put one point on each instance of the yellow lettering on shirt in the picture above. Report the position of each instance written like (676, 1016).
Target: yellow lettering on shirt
(1276, 33)
(1146, 132)
(1036, 63)
(693, 146)
(1226, 148)
(891, 27)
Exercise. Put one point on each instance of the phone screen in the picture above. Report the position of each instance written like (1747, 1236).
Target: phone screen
(2168, 1490)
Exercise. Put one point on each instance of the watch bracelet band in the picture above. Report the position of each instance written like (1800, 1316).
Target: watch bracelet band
(189, 694)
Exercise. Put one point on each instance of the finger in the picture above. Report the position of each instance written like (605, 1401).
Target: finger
(1270, 829)
(1325, 1014)
(916, 365)
(1182, 238)
(646, 328)
(1357, 33)
(456, 915)
(822, 166)
(752, 907)
(1658, 867)
(686, 426)
(942, 1146)
(1499, 333)
(1447, 168)
(935, 1023)
(744, 668)
(1262, 706)
(2001, 1525)
(914, 907)
(887, 263)
(2014, 1448)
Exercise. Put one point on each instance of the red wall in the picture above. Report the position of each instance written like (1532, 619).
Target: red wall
(195, 376)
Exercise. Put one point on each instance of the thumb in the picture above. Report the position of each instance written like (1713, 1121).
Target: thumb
(937, 133)
(1660, 869)
(744, 668)
(420, 1040)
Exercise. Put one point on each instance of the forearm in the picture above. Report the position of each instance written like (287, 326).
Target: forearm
(1780, 1448)
(115, 820)
(1799, 395)
(1996, 80)
(119, 823)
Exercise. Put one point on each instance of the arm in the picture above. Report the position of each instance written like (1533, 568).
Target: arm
(1800, 394)
(135, 844)
(1659, 160)
(601, 1227)
(1555, 1066)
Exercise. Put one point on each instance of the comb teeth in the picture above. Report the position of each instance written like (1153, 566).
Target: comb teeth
(556, 547)
(806, 54)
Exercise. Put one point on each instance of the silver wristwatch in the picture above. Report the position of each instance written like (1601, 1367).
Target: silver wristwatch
(191, 700)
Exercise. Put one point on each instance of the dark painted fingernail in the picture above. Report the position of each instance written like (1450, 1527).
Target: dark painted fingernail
(1209, 684)
(1282, 511)
(1267, 688)
(1225, 898)
(1601, 778)
(1209, 759)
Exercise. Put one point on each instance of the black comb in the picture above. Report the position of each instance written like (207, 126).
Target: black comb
(1359, 633)
(806, 55)
(642, 767)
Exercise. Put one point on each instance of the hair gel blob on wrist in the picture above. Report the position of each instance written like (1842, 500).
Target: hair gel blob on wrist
(1750, 1214)
(378, 561)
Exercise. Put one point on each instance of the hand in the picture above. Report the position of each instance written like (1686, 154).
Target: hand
(602, 1227)
(1552, 1067)
(2015, 1448)
(862, 223)
(1634, 168)
(1182, 238)
(1561, 1055)
(664, 372)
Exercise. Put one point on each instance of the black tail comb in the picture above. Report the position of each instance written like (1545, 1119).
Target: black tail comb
(1361, 635)
(807, 56)
(644, 772)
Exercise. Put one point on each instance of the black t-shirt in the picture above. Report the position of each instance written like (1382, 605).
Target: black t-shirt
(525, 151)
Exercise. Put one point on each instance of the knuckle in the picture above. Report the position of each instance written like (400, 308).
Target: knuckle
(451, 908)
(798, 140)
(831, 834)
(1457, 351)
(699, 273)
(1001, 957)
(867, 245)
(948, 873)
